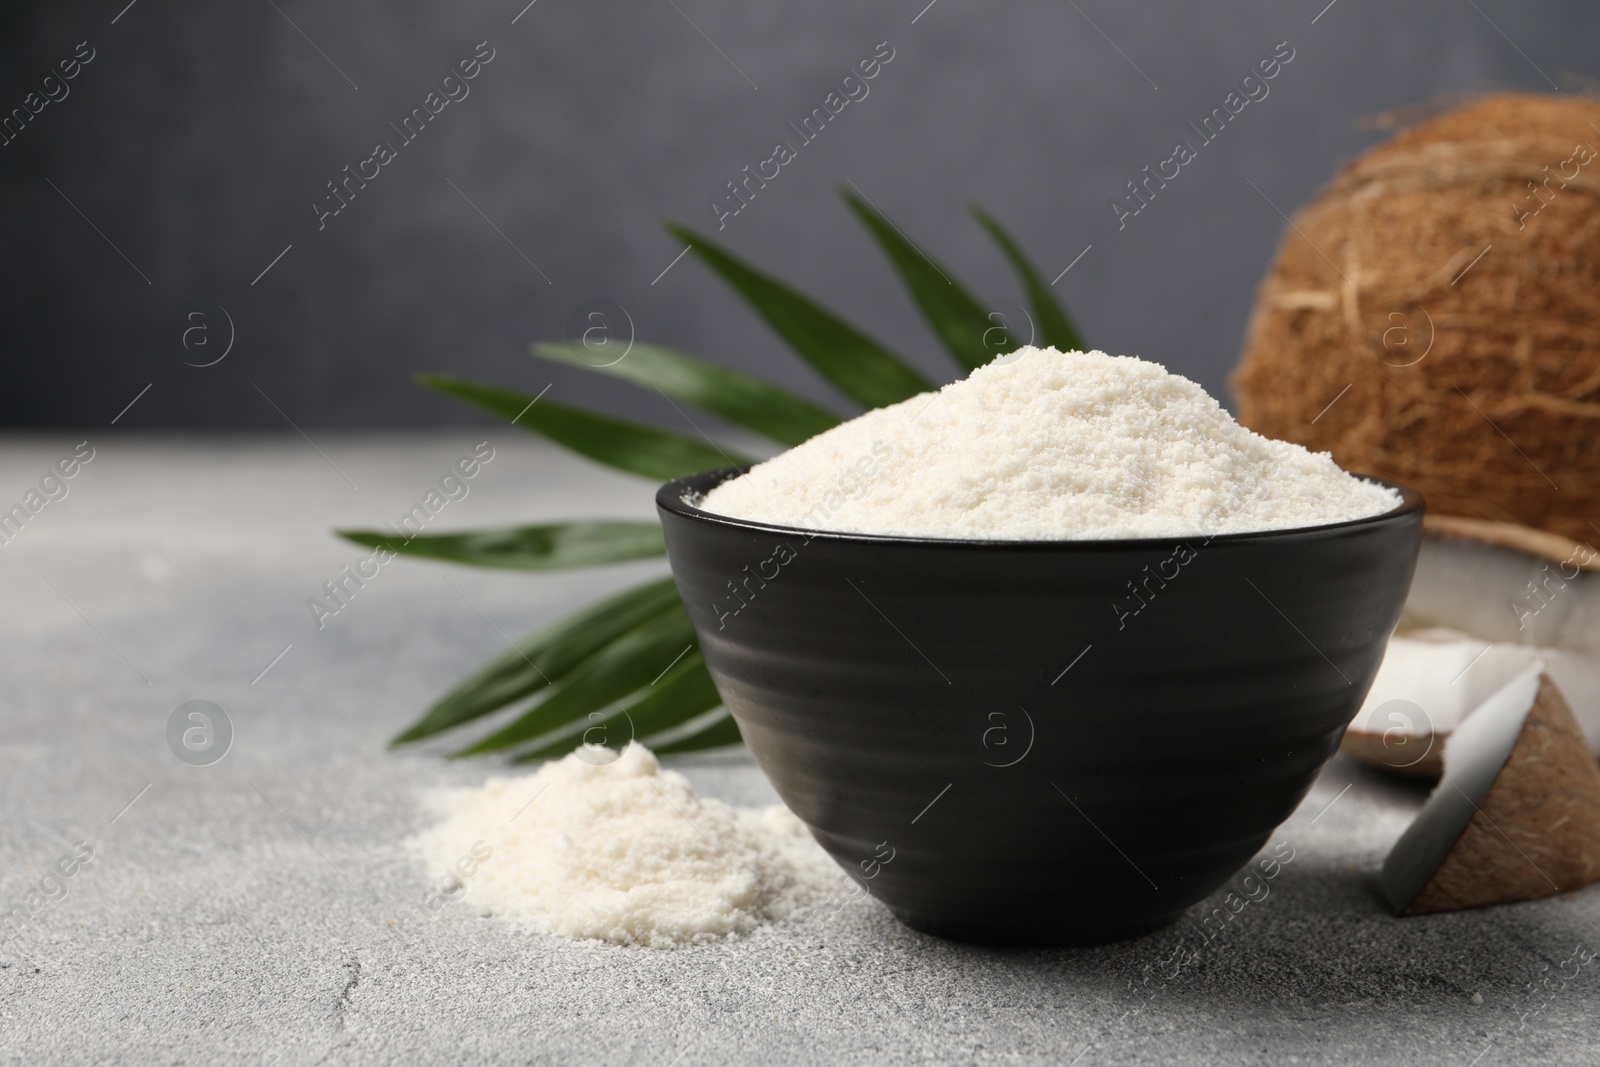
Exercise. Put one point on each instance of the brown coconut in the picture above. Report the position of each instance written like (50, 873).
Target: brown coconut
(1477, 383)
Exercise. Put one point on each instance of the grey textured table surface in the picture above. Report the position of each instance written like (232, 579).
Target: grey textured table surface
(242, 912)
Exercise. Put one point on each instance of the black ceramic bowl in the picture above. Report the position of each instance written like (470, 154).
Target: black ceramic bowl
(1040, 741)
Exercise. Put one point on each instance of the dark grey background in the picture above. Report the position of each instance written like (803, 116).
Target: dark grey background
(201, 134)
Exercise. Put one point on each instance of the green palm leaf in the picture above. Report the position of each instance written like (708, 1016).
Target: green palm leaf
(742, 399)
(528, 548)
(545, 658)
(858, 366)
(1054, 325)
(962, 323)
(686, 690)
(723, 731)
(628, 446)
(624, 667)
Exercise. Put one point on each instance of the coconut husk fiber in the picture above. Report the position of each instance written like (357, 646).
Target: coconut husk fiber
(1477, 383)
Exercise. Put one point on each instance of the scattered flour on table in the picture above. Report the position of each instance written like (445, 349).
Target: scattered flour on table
(623, 851)
(1048, 445)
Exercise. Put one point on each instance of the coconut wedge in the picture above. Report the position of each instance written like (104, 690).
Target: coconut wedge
(1516, 815)
(1488, 599)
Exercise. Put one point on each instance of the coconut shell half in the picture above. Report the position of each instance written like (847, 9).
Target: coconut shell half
(1516, 816)
(1507, 583)
(1514, 537)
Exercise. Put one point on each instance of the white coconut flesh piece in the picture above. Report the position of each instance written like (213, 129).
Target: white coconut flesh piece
(1446, 674)
(1488, 599)
(1516, 815)
(1428, 684)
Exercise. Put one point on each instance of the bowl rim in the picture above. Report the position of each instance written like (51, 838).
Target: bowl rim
(673, 497)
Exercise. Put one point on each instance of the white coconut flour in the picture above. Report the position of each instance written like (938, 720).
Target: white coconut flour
(611, 847)
(1048, 445)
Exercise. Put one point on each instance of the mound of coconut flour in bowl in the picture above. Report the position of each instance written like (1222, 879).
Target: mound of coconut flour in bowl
(1048, 445)
(611, 847)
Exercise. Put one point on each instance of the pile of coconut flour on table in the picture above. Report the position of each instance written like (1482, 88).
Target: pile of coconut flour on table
(611, 847)
(1046, 445)
(1037, 445)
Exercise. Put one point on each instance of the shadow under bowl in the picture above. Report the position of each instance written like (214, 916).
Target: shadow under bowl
(1040, 742)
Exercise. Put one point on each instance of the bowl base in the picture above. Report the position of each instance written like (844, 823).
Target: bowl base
(1037, 933)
